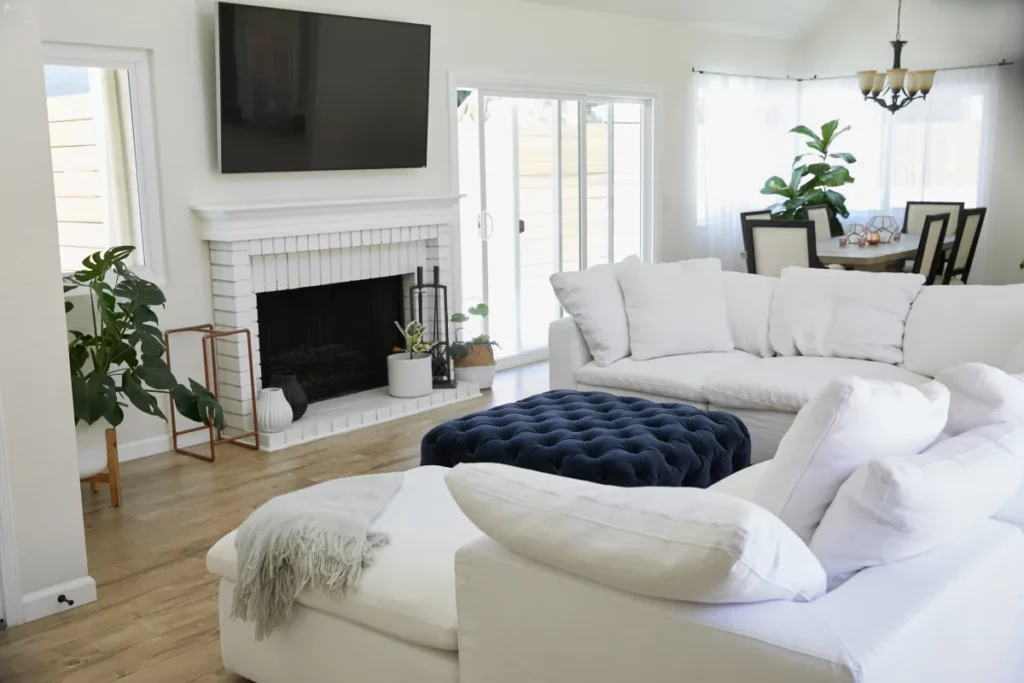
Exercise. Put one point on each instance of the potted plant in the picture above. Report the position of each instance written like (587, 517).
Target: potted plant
(473, 359)
(410, 371)
(822, 177)
(120, 362)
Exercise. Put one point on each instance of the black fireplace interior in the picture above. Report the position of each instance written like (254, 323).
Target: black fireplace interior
(335, 338)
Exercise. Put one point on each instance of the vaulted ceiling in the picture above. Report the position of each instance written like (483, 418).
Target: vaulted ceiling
(784, 19)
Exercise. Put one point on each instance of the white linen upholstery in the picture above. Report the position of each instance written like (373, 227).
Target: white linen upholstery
(659, 323)
(918, 212)
(672, 543)
(673, 377)
(949, 326)
(778, 248)
(408, 592)
(981, 395)
(567, 353)
(851, 421)
(742, 484)
(594, 299)
(317, 647)
(748, 299)
(944, 617)
(786, 384)
(842, 314)
(901, 506)
(766, 427)
(822, 227)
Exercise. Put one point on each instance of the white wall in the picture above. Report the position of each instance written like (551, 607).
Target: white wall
(942, 33)
(38, 432)
(487, 37)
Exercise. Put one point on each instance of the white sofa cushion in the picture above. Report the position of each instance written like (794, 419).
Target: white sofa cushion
(672, 543)
(949, 326)
(850, 422)
(679, 377)
(594, 300)
(981, 395)
(748, 299)
(842, 314)
(786, 384)
(897, 507)
(676, 308)
(742, 484)
(409, 592)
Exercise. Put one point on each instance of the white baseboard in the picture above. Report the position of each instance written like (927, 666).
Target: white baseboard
(143, 448)
(44, 602)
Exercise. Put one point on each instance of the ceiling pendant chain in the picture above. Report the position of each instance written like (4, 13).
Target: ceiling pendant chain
(899, 17)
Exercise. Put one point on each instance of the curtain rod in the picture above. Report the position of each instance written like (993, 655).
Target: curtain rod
(834, 78)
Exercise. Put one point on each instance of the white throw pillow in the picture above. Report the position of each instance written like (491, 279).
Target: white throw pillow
(981, 395)
(675, 309)
(671, 543)
(850, 422)
(895, 508)
(594, 300)
(949, 326)
(748, 300)
(842, 314)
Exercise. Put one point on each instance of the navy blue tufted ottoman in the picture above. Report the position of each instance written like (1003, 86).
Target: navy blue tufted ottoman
(598, 437)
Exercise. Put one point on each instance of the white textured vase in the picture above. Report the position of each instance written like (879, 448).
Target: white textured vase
(481, 375)
(410, 377)
(272, 411)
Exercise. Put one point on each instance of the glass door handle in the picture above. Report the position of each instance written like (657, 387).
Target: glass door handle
(485, 226)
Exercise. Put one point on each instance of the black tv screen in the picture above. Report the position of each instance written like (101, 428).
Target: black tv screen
(300, 91)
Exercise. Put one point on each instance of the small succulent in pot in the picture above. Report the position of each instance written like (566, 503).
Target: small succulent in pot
(474, 358)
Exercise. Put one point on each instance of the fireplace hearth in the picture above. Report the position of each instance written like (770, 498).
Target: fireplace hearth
(335, 338)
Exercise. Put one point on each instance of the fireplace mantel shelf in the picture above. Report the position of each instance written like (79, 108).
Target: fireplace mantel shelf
(265, 220)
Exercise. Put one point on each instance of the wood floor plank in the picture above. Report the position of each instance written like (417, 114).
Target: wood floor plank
(156, 617)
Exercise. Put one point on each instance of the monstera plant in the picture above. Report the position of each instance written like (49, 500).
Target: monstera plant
(816, 182)
(120, 362)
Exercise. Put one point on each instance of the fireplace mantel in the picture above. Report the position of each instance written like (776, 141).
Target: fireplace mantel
(265, 220)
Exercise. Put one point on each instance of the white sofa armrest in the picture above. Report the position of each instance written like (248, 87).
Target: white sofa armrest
(567, 353)
(946, 616)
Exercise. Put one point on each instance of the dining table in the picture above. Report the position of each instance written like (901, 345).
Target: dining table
(872, 256)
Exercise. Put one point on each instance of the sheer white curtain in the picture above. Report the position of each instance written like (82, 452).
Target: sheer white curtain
(938, 149)
(739, 147)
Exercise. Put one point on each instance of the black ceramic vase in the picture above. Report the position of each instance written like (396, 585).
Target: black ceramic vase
(293, 392)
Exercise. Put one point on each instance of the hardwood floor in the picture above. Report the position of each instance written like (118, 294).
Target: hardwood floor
(156, 617)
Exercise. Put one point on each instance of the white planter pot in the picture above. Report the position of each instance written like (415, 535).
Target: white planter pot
(409, 377)
(481, 375)
(273, 411)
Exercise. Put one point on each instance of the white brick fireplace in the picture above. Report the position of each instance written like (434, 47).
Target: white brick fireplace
(256, 248)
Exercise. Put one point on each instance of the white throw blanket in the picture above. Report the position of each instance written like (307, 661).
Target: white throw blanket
(317, 538)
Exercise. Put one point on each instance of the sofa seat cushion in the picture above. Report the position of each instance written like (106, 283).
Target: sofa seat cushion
(786, 383)
(678, 377)
(409, 592)
(742, 484)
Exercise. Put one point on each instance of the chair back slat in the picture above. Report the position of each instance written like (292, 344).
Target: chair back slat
(917, 213)
(967, 237)
(774, 245)
(932, 236)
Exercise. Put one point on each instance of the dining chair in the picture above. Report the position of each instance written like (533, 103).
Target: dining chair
(822, 217)
(932, 236)
(774, 245)
(917, 212)
(962, 257)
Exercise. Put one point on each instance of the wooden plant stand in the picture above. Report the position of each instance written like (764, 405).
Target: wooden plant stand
(113, 474)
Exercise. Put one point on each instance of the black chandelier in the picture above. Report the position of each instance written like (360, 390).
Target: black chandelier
(900, 86)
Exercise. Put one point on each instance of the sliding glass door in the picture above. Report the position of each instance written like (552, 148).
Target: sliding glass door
(551, 184)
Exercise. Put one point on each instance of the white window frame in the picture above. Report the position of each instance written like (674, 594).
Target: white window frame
(137, 64)
(650, 97)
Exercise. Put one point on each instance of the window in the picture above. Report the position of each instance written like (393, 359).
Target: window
(102, 149)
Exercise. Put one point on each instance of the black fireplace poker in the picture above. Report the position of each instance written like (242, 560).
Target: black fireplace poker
(440, 364)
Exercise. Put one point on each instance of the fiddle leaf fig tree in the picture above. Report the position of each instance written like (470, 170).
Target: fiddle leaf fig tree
(120, 362)
(814, 183)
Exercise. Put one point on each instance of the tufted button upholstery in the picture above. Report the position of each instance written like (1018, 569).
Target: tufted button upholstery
(617, 440)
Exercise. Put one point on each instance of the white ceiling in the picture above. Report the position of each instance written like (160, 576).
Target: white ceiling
(783, 19)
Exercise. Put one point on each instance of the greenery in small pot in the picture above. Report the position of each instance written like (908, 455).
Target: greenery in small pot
(121, 360)
(821, 178)
(413, 335)
(478, 350)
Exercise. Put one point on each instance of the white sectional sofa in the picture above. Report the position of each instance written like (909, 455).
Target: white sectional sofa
(778, 364)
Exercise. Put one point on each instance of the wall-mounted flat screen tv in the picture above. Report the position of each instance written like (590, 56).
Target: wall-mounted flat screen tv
(300, 91)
